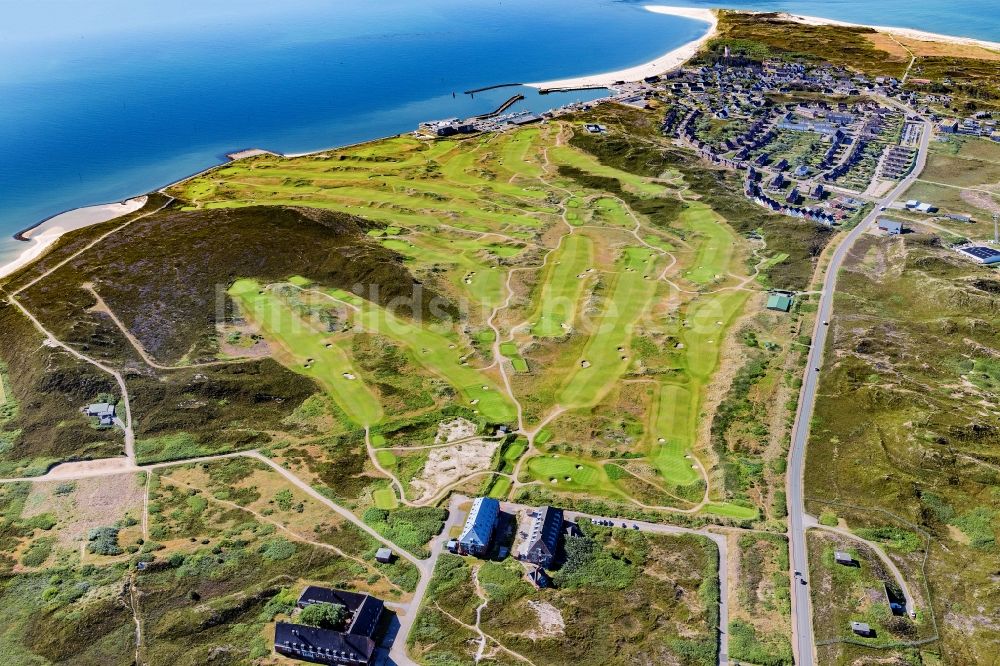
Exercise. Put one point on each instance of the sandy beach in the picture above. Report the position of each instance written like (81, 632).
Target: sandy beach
(902, 32)
(680, 55)
(41, 238)
(665, 62)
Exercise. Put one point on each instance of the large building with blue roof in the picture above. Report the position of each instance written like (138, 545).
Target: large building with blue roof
(479, 526)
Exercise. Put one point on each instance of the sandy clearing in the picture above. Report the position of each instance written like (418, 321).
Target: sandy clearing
(94, 502)
(665, 62)
(42, 237)
(87, 468)
(450, 464)
(550, 621)
(452, 431)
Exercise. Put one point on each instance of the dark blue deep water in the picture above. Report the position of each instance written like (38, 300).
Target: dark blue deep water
(104, 99)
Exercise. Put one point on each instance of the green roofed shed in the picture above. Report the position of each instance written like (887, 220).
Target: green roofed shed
(779, 302)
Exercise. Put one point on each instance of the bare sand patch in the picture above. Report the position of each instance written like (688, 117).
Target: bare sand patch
(242, 340)
(980, 200)
(450, 464)
(550, 621)
(452, 431)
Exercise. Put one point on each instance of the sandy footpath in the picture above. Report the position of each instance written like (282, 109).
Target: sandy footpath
(665, 62)
(43, 236)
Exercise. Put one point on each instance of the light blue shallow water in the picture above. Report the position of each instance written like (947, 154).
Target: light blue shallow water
(110, 98)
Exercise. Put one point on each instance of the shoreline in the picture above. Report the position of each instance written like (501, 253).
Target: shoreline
(669, 60)
(910, 33)
(44, 234)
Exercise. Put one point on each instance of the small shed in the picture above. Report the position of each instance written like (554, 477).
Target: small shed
(104, 413)
(861, 629)
(779, 302)
(841, 557)
(383, 555)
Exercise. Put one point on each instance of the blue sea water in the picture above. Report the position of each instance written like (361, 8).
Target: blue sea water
(105, 99)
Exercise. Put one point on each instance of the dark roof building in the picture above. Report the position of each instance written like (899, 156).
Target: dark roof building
(890, 226)
(104, 413)
(981, 254)
(479, 526)
(322, 646)
(543, 536)
(351, 644)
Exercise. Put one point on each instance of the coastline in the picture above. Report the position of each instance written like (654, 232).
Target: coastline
(667, 61)
(43, 235)
(910, 33)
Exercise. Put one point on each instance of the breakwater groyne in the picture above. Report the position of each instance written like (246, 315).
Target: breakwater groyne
(546, 91)
(500, 109)
(493, 87)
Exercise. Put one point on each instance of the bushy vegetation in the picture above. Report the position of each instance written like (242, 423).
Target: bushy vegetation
(747, 645)
(38, 552)
(410, 528)
(103, 541)
(325, 615)
(648, 625)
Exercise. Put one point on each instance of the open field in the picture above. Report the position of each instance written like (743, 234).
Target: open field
(562, 286)
(605, 608)
(307, 350)
(908, 414)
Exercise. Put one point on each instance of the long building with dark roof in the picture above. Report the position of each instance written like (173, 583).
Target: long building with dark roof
(350, 645)
(543, 537)
(478, 531)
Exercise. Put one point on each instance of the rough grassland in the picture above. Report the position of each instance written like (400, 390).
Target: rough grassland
(907, 412)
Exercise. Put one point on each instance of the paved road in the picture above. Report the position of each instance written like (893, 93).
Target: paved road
(803, 640)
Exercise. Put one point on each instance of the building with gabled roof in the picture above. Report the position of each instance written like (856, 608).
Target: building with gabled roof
(104, 412)
(780, 302)
(351, 644)
(479, 526)
(543, 537)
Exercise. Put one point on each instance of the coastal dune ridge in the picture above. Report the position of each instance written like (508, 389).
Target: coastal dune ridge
(910, 33)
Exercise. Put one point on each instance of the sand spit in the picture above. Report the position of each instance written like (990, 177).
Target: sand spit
(665, 62)
(41, 237)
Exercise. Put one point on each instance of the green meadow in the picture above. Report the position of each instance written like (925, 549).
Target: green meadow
(482, 222)
(605, 358)
(309, 351)
(562, 286)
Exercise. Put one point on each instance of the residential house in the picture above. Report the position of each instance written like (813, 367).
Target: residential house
(890, 226)
(104, 412)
